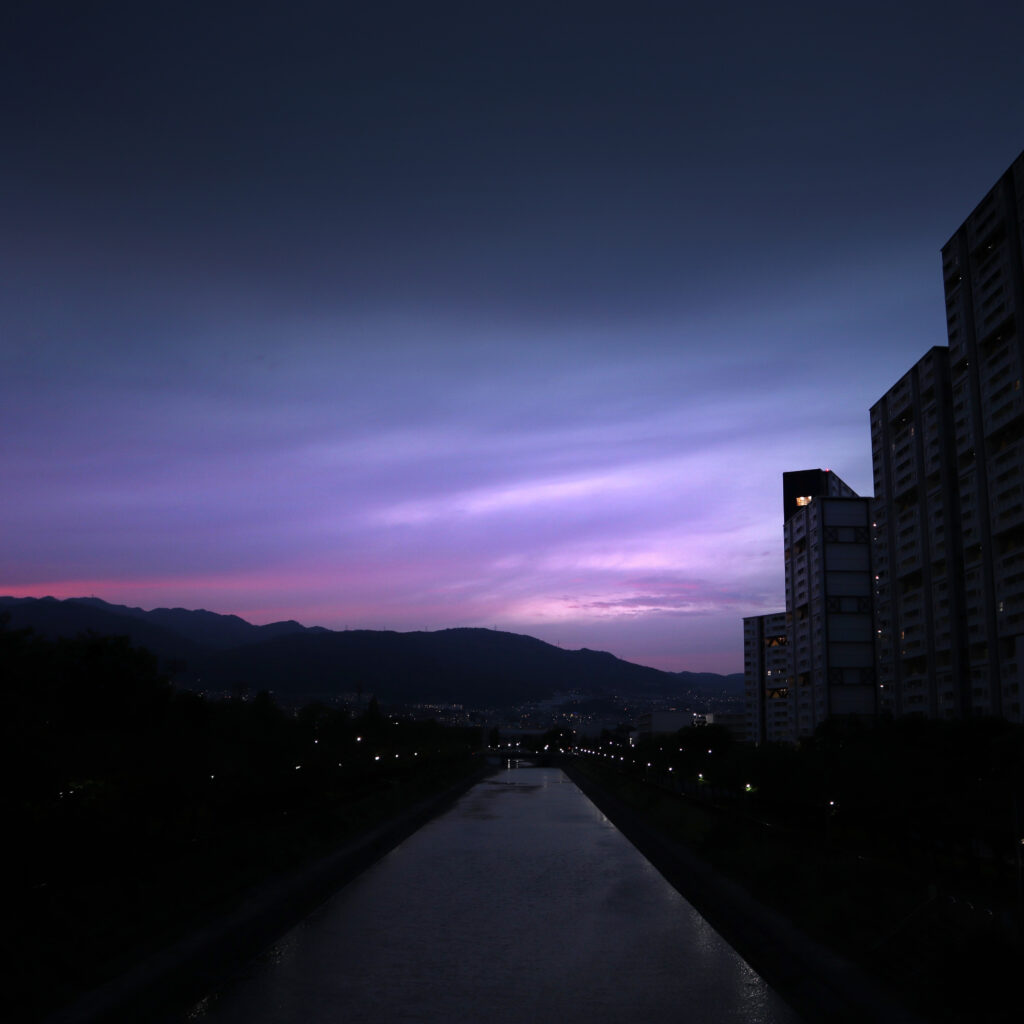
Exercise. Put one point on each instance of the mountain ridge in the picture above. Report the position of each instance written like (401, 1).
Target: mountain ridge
(468, 665)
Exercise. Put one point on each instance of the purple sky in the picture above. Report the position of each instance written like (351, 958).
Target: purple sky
(468, 314)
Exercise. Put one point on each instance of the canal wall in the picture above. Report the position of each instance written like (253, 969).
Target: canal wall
(817, 982)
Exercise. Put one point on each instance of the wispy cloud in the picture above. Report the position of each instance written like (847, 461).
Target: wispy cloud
(542, 368)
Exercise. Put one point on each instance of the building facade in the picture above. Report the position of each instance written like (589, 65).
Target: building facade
(919, 592)
(829, 591)
(766, 679)
(983, 278)
(817, 658)
(948, 457)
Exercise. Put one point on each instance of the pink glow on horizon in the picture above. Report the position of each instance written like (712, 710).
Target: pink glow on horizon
(547, 620)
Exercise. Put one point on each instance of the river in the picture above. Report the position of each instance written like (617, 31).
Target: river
(523, 903)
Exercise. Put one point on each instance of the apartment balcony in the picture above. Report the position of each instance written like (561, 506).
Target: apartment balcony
(1010, 624)
(957, 347)
(981, 703)
(1006, 460)
(914, 683)
(908, 557)
(1009, 608)
(981, 223)
(951, 265)
(990, 267)
(903, 446)
(999, 412)
(908, 529)
(913, 641)
(915, 703)
(933, 458)
(993, 314)
(926, 375)
(1008, 517)
(963, 432)
(988, 261)
(975, 632)
(1006, 495)
(1008, 570)
(914, 648)
(930, 404)
(905, 478)
(998, 363)
(900, 395)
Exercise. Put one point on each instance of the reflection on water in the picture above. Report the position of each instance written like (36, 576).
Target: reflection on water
(523, 903)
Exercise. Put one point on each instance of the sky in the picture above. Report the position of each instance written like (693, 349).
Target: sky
(411, 316)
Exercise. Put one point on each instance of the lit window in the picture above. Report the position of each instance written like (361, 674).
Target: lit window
(801, 502)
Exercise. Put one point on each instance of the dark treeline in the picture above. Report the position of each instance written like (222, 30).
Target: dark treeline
(136, 810)
(897, 842)
(955, 786)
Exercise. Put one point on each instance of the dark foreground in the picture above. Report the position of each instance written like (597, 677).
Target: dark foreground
(820, 921)
(819, 984)
(190, 967)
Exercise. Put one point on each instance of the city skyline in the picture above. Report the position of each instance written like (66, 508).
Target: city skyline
(388, 320)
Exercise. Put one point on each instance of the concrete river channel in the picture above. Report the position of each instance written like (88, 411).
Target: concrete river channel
(522, 903)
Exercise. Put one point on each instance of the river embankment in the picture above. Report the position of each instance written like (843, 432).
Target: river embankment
(819, 983)
(169, 979)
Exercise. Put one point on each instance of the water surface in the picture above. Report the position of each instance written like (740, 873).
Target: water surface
(522, 903)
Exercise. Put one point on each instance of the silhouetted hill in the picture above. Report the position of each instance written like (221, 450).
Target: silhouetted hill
(209, 629)
(478, 667)
(473, 666)
(171, 633)
(52, 619)
(711, 683)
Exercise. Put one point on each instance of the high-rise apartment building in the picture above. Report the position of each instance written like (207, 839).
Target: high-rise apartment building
(817, 658)
(829, 587)
(983, 276)
(766, 677)
(917, 552)
(946, 577)
(948, 453)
